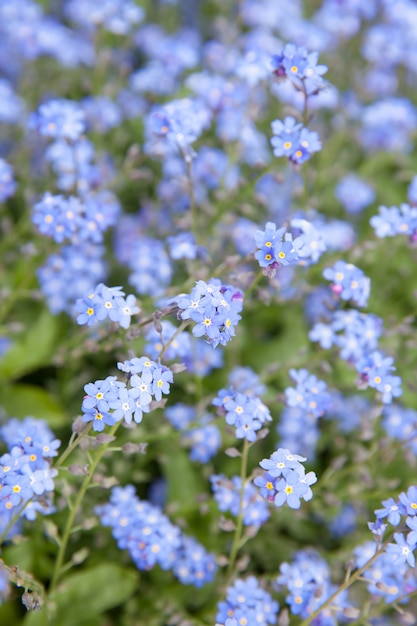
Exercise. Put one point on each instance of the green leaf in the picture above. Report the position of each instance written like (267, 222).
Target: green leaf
(83, 596)
(21, 400)
(182, 481)
(34, 349)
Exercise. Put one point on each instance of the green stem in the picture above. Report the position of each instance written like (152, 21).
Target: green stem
(59, 564)
(254, 283)
(383, 608)
(377, 450)
(174, 336)
(239, 523)
(73, 445)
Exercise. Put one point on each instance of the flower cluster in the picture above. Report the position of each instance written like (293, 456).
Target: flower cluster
(214, 308)
(173, 127)
(285, 480)
(312, 239)
(354, 333)
(204, 440)
(59, 119)
(152, 539)
(401, 423)
(387, 125)
(299, 431)
(354, 193)
(246, 412)
(395, 510)
(72, 158)
(75, 219)
(307, 581)
(277, 247)
(69, 274)
(393, 221)
(116, 16)
(226, 492)
(391, 575)
(110, 400)
(26, 476)
(106, 302)
(210, 145)
(300, 66)
(310, 394)
(293, 140)
(247, 603)
(375, 371)
(348, 282)
(138, 254)
(81, 218)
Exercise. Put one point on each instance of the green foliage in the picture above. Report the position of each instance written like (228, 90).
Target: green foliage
(85, 596)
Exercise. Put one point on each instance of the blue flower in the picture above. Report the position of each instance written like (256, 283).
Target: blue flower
(69, 275)
(409, 500)
(349, 282)
(392, 510)
(289, 490)
(266, 238)
(124, 405)
(280, 462)
(299, 66)
(402, 551)
(354, 193)
(106, 302)
(16, 488)
(310, 393)
(285, 480)
(247, 603)
(194, 565)
(98, 418)
(205, 442)
(63, 119)
(100, 394)
(412, 537)
(277, 247)
(115, 16)
(161, 380)
(375, 370)
(182, 246)
(41, 480)
(292, 140)
(180, 415)
(173, 127)
(152, 539)
(214, 307)
(266, 484)
(227, 495)
(142, 387)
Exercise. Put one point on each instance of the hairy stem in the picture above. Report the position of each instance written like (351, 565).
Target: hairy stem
(239, 523)
(59, 563)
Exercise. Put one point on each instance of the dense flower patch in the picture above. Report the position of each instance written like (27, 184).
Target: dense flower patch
(208, 409)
